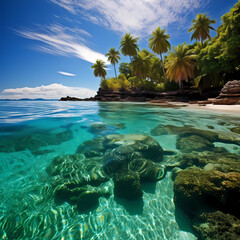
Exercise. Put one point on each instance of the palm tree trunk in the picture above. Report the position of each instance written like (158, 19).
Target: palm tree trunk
(163, 69)
(115, 70)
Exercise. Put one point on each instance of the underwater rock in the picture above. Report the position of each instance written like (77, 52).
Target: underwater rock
(146, 145)
(196, 189)
(175, 172)
(229, 137)
(103, 129)
(75, 168)
(184, 131)
(92, 148)
(193, 143)
(147, 170)
(220, 160)
(33, 141)
(159, 130)
(127, 185)
(85, 197)
(217, 225)
(236, 130)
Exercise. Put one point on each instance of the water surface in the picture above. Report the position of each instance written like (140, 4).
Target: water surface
(34, 133)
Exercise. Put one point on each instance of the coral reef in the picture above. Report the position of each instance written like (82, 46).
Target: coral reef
(217, 225)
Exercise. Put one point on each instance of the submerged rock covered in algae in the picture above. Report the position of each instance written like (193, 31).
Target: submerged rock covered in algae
(183, 131)
(196, 189)
(84, 197)
(127, 185)
(104, 129)
(217, 225)
(193, 143)
(220, 160)
(125, 158)
(33, 141)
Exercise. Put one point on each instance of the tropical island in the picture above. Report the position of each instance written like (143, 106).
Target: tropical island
(188, 72)
(111, 169)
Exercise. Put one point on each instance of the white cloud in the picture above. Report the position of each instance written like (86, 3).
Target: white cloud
(59, 40)
(52, 91)
(66, 74)
(139, 17)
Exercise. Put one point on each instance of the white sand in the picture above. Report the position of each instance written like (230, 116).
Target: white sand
(218, 108)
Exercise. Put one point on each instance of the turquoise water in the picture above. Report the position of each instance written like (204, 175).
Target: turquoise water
(34, 133)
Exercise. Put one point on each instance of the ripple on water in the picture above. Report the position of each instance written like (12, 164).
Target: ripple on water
(28, 209)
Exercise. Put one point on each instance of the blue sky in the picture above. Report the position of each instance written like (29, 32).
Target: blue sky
(48, 46)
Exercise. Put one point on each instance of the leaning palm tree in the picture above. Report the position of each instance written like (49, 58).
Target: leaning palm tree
(99, 69)
(129, 46)
(201, 27)
(141, 65)
(159, 44)
(180, 64)
(113, 57)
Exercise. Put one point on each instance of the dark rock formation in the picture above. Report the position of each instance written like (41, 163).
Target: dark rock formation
(127, 185)
(141, 96)
(230, 94)
(217, 225)
(193, 143)
(84, 197)
(196, 190)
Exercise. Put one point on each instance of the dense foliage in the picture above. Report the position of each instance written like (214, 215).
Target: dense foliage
(207, 63)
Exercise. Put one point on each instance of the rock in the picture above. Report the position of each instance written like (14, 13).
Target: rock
(74, 168)
(229, 95)
(127, 185)
(175, 172)
(184, 131)
(33, 141)
(189, 130)
(196, 190)
(147, 170)
(231, 89)
(84, 197)
(193, 143)
(221, 161)
(92, 148)
(229, 137)
(217, 225)
(135, 95)
(144, 144)
(236, 130)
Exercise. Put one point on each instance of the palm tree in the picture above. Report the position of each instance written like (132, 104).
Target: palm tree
(141, 65)
(159, 44)
(99, 69)
(156, 70)
(129, 45)
(113, 57)
(201, 27)
(180, 64)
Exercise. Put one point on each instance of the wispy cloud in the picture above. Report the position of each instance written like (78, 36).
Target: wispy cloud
(136, 16)
(59, 40)
(66, 74)
(52, 91)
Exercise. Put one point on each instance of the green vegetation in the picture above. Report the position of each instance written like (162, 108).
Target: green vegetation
(159, 44)
(129, 45)
(99, 69)
(205, 64)
(180, 64)
(113, 57)
(201, 27)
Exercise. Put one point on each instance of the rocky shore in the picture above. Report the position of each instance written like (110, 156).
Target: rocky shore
(141, 96)
(230, 94)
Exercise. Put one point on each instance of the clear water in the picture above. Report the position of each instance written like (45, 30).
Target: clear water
(27, 206)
